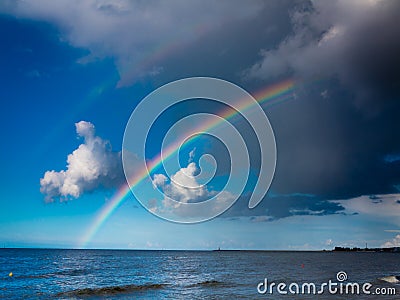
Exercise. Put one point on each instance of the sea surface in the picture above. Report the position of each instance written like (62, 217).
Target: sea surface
(125, 274)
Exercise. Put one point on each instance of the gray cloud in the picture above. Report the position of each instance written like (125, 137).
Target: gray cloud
(356, 42)
(92, 165)
(275, 207)
(140, 35)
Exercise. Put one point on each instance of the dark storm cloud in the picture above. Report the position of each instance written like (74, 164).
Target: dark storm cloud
(326, 147)
(333, 138)
(282, 206)
(356, 42)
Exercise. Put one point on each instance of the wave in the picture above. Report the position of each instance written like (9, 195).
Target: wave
(111, 290)
(390, 279)
(72, 272)
(209, 283)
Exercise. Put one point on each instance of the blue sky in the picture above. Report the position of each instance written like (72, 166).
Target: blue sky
(337, 175)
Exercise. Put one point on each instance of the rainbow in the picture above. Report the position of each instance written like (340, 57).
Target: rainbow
(272, 94)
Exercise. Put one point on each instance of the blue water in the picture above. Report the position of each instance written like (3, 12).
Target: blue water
(119, 274)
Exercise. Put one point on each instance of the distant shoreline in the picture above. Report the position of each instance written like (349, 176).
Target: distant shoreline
(356, 249)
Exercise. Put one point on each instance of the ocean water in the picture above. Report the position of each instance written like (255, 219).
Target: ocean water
(120, 274)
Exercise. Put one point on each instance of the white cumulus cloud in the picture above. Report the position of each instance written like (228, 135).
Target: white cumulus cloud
(93, 164)
(183, 187)
(395, 242)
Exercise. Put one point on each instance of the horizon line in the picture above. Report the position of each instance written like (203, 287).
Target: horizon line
(169, 249)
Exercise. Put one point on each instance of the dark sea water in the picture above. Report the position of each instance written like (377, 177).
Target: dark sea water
(119, 274)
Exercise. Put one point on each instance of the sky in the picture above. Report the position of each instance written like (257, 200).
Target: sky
(325, 73)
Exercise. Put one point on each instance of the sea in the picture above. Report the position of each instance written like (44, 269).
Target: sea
(137, 274)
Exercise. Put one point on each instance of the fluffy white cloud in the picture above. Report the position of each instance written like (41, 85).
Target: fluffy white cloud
(159, 180)
(376, 208)
(395, 242)
(379, 206)
(91, 165)
(138, 34)
(184, 188)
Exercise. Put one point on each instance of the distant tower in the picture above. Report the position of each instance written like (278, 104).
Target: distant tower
(366, 245)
